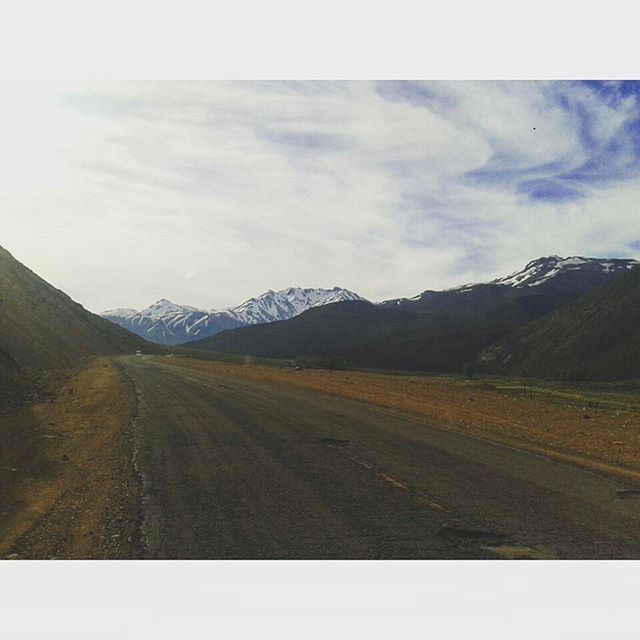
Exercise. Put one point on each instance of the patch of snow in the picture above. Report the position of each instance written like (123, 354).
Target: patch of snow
(461, 287)
(123, 313)
(164, 306)
(542, 270)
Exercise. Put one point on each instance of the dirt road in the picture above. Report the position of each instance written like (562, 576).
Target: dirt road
(234, 468)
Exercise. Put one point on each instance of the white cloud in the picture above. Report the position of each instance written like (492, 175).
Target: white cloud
(208, 193)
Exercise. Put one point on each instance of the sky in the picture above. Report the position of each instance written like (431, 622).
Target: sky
(208, 193)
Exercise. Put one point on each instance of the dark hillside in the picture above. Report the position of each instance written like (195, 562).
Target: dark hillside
(434, 331)
(595, 338)
(43, 328)
(370, 335)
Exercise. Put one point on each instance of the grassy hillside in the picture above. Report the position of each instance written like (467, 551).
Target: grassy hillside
(373, 336)
(43, 328)
(595, 338)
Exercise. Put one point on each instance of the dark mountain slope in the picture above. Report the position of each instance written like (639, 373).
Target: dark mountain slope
(543, 285)
(373, 336)
(594, 338)
(42, 328)
(326, 330)
(435, 331)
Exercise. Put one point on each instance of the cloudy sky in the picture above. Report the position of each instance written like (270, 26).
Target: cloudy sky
(210, 193)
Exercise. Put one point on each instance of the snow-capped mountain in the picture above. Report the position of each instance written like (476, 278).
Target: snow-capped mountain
(556, 268)
(165, 307)
(168, 323)
(338, 295)
(540, 287)
(282, 305)
(555, 278)
(122, 313)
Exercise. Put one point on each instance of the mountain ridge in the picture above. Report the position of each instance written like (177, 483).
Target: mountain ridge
(434, 331)
(548, 275)
(168, 323)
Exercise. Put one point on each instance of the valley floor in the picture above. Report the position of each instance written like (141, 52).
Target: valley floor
(162, 457)
(597, 426)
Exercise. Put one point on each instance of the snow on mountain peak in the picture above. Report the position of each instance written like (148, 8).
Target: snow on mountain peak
(287, 303)
(163, 307)
(338, 295)
(170, 323)
(121, 312)
(543, 269)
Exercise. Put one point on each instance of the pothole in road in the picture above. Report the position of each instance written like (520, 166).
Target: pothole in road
(334, 442)
(628, 494)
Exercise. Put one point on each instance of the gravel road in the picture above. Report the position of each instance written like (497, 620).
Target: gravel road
(239, 469)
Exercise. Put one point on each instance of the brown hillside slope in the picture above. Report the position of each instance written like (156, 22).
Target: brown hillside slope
(43, 328)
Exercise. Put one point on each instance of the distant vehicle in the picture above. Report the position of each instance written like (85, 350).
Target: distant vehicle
(138, 352)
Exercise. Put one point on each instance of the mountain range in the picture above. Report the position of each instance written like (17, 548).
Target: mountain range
(433, 331)
(165, 322)
(574, 318)
(544, 283)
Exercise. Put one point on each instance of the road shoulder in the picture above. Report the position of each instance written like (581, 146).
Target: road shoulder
(73, 491)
